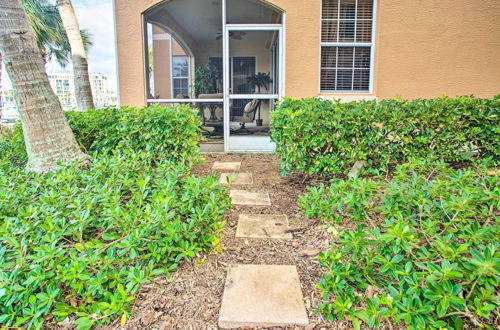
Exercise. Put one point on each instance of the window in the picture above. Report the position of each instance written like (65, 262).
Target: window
(240, 67)
(346, 45)
(180, 75)
(59, 87)
(66, 85)
(216, 62)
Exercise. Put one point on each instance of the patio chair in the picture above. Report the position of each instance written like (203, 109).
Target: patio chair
(247, 117)
(216, 123)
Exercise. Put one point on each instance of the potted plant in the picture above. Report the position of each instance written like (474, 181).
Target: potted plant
(257, 81)
(205, 80)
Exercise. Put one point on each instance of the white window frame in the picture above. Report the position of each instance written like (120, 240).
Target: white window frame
(188, 77)
(349, 44)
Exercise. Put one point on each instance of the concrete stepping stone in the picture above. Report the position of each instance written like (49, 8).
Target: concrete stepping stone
(263, 226)
(244, 197)
(227, 166)
(262, 296)
(239, 178)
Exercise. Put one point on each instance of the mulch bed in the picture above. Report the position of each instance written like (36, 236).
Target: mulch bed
(192, 296)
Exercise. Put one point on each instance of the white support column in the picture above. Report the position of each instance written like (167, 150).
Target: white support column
(225, 69)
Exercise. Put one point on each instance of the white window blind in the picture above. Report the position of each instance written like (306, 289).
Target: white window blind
(346, 45)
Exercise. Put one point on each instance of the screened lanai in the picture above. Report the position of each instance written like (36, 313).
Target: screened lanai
(192, 52)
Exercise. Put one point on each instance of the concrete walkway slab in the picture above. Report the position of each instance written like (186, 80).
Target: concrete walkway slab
(227, 166)
(263, 226)
(238, 178)
(244, 197)
(262, 296)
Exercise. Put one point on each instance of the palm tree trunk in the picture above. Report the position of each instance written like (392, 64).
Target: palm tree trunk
(47, 135)
(83, 89)
(1, 93)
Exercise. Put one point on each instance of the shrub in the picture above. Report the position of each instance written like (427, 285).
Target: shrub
(168, 133)
(317, 136)
(434, 260)
(79, 242)
(352, 198)
(12, 148)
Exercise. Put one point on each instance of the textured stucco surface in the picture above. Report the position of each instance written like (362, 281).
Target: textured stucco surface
(424, 48)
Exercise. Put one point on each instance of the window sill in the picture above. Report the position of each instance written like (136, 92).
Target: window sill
(348, 97)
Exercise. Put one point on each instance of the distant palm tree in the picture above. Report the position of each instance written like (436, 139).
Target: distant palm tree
(49, 32)
(1, 103)
(83, 91)
(47, 135)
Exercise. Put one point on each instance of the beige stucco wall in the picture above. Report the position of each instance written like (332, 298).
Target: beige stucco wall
(302, 54)
(428, 47)
(161, 64)
(423, 48)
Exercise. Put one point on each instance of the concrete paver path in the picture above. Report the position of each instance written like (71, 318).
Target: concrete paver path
(263, 226)
(244, 197)
(227, 166)
(238, 178)
(262, 296)
(259, 295)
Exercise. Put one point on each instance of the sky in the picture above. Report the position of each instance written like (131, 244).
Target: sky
(96, 16)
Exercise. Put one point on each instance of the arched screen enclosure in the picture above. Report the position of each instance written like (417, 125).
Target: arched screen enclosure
(224, 57)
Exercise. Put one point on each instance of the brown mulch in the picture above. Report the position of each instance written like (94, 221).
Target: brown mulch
(191, 297)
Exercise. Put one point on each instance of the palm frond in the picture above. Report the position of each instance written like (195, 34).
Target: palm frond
(49, 30)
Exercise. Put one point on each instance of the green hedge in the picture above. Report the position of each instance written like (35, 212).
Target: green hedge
(168, 133)
(317, 136)
(12, 149)
(425, 253)
(79, 242)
